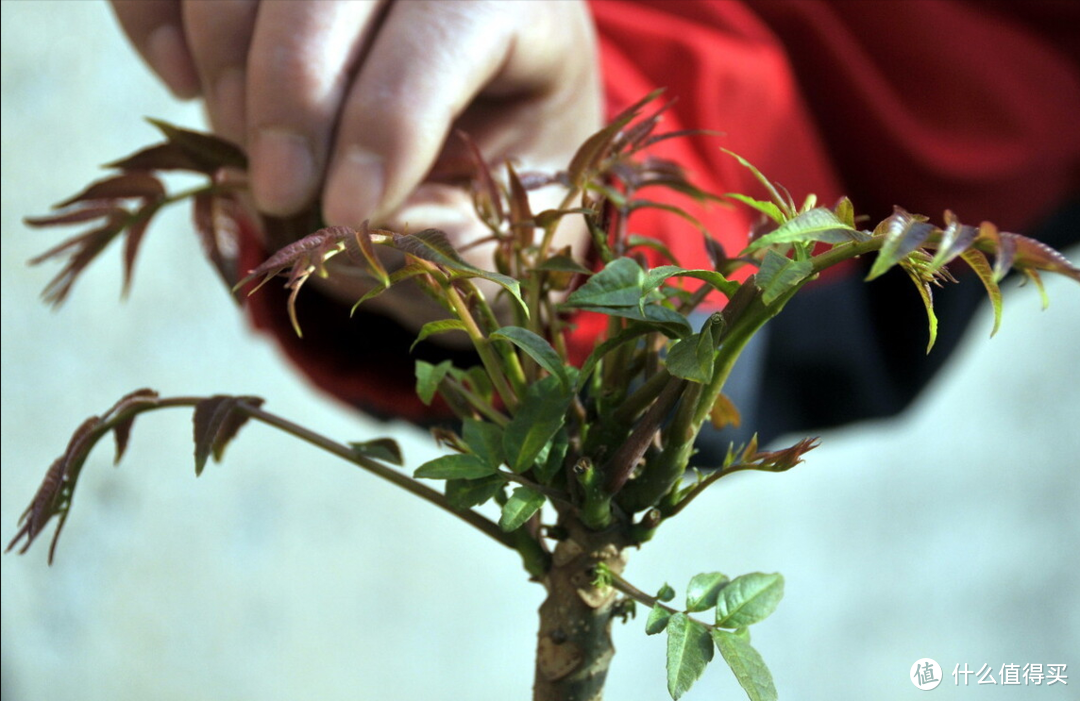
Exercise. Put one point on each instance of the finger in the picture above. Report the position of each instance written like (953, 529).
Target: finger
(218, 36)
(299, 64)
(428, 62)
(155, 28)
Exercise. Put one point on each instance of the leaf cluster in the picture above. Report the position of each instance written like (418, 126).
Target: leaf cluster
(737, 604)
(217, 420)
(605, 440)
(124, 203)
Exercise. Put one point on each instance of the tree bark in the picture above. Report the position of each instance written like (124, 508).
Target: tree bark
(574, 648)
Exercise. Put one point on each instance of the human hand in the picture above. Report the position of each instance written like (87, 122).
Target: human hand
(354, 102)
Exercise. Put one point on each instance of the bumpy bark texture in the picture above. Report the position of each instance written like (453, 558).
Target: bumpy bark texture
(574, 649)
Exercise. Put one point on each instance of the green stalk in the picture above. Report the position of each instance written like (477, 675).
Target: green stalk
(483, 348)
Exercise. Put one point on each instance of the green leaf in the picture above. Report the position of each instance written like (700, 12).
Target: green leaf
(631, 332)
(538, 418)
(660, 318)
(769, 187)
(457, 466)
(385, 449)
(657, 276)
(438, 326)
(538, 349)
(818, 224)
(769, 209)
(748, 599)
(485, 440)
(519, 508)
(703, 590)
(428, 377)
(465, 494)
(666, 593)
(691, 358)
(746, 663)
(845, 212)
(658, 620)
(619, 284)
(778, 274)
(551, 457)
(689, 649)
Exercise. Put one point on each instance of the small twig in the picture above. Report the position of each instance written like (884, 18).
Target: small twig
(620, 584)
(377, 468)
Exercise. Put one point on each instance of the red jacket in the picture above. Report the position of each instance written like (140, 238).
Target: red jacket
(932, 104)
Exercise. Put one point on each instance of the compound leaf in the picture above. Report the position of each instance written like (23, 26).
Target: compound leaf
(747, 665)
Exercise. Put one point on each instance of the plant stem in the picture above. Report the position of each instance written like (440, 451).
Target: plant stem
(641, 597)
(574, 649)
(483, 349)
(483, 524)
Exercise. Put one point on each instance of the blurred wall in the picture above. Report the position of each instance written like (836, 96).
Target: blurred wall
(949, 533)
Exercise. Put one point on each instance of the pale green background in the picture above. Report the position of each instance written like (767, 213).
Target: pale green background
(281, 575)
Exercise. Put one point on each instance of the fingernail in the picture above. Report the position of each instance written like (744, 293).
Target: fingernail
(283, 171)
(355, 188)
(168, 56)
(228, 107)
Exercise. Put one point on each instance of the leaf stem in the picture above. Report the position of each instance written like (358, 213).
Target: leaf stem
(620, 584)
(483, 348)
(378, 469)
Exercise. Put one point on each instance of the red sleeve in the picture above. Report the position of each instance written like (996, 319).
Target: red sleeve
(930, 104)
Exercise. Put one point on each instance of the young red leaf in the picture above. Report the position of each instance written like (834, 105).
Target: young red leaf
(590, 153)
(74, 215)
(122, 430)
(53, 497)
(780, 460)
(86, 248)
(137, 184)
(210, 152)
(977, 260)
(164, 156)
(955, 239)
(217, 420)
(487, 198)
(902, 233)
(217, 223)
(133, 238)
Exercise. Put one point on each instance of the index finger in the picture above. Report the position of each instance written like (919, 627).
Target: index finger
(155, 28)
